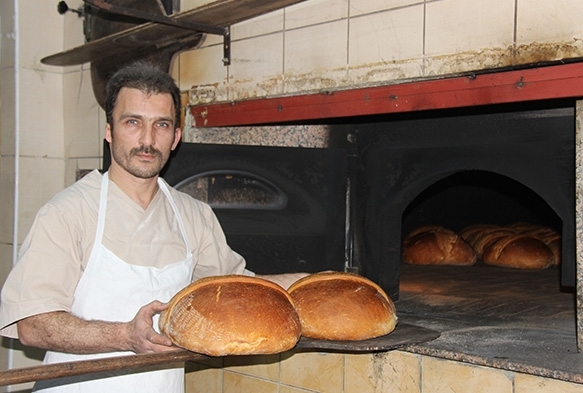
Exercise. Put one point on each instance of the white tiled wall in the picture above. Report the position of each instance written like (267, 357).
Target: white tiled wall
(330, 44)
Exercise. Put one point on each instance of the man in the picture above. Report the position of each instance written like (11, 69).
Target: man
(104, 255)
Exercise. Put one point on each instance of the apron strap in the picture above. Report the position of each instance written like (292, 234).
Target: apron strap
(166, 192)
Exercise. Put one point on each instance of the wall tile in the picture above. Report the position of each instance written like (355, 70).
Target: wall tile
(202, 66)
(456, 26)
(201, 378)
(316, 48)
(322, 372)
(262, 366)
(74, 165)
(40, 179)
(444, 376)
(382, 372)
(315, 12)
(7, 37)
(290, 389)
(42, 16)
(82, 116)
(41, 114)
(7, 112)
(237, 383)
(74, 35)
(6, 251)
(261, 25)
(7, 201)
(386, 36)
(548, 30)
(256, 67)
(543, 21)
(359, 7)
(315, 57)
(188, 4)
(531, 384)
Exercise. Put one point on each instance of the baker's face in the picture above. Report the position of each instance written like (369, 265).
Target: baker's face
(143, 132)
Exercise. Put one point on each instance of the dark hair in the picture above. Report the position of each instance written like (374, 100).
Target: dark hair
(145, 77)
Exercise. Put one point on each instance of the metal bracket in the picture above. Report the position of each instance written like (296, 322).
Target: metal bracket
(166, 20)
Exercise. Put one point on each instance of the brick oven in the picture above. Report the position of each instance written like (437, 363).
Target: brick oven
(494, 147)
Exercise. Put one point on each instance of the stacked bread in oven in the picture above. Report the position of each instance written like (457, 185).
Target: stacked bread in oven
(518, 245)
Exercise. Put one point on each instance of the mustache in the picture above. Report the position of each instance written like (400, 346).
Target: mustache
(146, 150)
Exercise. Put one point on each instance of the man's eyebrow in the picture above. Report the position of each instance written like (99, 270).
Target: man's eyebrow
(142, 117)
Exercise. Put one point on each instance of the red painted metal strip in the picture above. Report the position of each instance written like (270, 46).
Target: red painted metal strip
(558, 81)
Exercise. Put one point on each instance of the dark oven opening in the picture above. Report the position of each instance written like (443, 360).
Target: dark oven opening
(493, 165)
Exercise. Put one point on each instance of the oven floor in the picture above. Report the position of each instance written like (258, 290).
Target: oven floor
(504, 318)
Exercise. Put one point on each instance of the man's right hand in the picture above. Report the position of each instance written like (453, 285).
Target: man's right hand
(61, 331)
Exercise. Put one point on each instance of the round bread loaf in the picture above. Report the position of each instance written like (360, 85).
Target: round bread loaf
(520, 252)
(437, 246)
(483, 239)
(342, 306)
(232, 315)
(547, 235)
(470, 233)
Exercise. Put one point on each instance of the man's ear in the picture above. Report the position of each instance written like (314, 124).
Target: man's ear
(177, 136)
(108, 132)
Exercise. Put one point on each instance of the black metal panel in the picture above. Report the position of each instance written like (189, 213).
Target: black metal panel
(308, 233)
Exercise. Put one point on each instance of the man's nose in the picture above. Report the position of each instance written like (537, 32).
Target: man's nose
(148, 135)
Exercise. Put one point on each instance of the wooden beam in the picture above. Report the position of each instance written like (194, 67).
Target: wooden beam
(549, 82)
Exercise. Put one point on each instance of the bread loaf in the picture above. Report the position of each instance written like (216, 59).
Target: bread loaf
(232, 315)
(519, 251)
(470, 233)
(342, 306)
(437, 246)
(480, 237)
(546, 234)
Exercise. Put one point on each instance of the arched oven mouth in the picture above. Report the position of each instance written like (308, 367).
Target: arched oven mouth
(518, 158)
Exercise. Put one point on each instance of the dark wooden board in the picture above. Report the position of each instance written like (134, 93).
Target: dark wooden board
(403, 334)
(152, 36)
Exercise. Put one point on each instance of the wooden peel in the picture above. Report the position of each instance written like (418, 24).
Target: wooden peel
(403, 335)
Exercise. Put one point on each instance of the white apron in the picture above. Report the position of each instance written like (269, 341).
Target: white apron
(112, 290)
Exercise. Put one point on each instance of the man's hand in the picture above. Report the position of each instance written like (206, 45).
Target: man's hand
(63, 332)
(140, 333)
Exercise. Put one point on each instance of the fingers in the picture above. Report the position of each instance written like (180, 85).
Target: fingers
(145, 338)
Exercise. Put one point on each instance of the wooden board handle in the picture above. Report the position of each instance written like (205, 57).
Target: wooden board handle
(68, 369)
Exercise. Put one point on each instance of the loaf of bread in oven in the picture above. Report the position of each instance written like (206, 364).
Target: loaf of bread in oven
(520, 252)
(481, 236)
(435, 245)
(547, 235)
(342, 306)
(232, 315)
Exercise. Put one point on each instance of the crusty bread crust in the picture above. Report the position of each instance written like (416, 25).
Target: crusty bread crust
(437, 246)
(342, 306)
(232, 315)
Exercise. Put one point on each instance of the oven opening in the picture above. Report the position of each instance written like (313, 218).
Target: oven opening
(480, 295)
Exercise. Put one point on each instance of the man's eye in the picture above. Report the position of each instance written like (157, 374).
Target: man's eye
(132, 121)
(163, 125)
